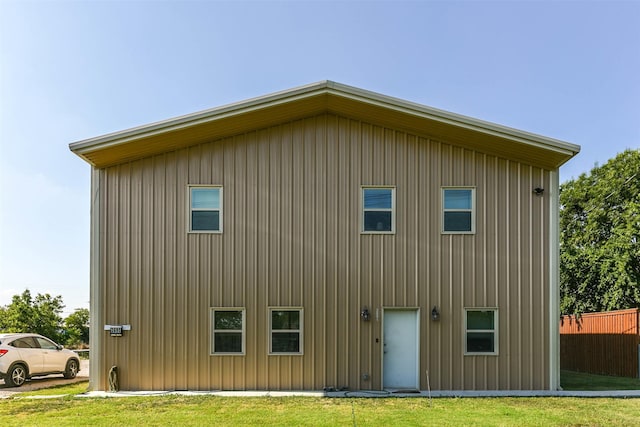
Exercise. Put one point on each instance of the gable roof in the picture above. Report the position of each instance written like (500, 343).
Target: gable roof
(323, 97)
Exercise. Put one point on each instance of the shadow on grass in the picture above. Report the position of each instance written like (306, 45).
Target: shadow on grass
(571, 380)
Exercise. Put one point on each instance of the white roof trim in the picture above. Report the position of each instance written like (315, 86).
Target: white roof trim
(314, 89)
(453, 118)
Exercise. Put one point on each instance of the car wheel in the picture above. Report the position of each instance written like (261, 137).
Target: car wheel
(17, 376)
(72, 369)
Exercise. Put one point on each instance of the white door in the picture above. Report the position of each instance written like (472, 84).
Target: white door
(400, 349)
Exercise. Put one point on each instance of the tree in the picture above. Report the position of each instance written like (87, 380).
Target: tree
(600, 237)
(77, 328)
(40, 315)
(3, 318)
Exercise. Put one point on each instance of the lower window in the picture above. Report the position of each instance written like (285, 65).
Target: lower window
(285, 327)
(228, 330)
(481, 331)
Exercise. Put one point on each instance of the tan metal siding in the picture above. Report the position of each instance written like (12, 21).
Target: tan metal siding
(291, 237)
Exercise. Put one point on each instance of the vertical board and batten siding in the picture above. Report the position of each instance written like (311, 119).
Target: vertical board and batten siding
(606, 343)
(291, 238)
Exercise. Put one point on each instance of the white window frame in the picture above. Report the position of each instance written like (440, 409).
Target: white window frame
(300, 330)
(494, 331)
(219, 209)
(472, 210)
(212, 323)
(363, 188)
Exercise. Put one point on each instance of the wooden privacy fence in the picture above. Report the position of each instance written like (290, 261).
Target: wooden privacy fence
(601, 343)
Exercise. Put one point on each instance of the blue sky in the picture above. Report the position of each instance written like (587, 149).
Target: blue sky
(71, 70)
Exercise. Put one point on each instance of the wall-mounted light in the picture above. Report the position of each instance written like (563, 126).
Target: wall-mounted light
(538, 191)
(364, 314)
(435, 314)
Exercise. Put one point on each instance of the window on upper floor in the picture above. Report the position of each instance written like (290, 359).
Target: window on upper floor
(285, 331)
(481, 331)
(227, 326)
(458, 210)
(205, 209)
(378, 210)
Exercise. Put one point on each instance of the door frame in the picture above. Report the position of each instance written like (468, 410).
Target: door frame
(415, 310)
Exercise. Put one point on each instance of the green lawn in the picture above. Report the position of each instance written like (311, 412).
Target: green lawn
(65, 389)
(580, 381)
(569, 380)
(310, 411)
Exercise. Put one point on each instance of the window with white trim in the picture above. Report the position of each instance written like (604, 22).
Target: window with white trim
(481, 331)
(285, 331)
(458, 213)
(227, 325)
(205, 209)
(378, 206)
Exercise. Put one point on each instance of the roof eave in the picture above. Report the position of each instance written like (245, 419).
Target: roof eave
(327, 96)
(194, 119)
(460, 121)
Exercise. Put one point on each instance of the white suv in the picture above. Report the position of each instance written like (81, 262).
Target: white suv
(23, 356)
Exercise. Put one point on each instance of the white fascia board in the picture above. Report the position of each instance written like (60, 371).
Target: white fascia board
(328, 87)
(454, 119)
(194, 119)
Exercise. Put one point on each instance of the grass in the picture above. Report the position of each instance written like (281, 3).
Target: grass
(580, 381)
(569, 380)
(308, 411)
(64, 389)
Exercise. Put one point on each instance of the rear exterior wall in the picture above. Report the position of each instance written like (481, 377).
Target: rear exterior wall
(291, 237)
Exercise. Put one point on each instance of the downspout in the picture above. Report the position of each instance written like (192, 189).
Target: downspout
(554, 281)
(96, 333)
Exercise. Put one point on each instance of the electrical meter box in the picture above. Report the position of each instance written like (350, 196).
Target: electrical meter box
(117, 330)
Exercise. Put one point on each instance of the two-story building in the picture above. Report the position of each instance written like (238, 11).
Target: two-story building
(324, 236)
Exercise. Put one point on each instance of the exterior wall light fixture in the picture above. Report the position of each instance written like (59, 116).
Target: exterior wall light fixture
(435, 314)
(364, 314)
(538, 191)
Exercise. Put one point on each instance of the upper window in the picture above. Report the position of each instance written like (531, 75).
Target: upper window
(228, 331)
(458, 210)
(205, 209)
(378, 205)
(481, 327)
(285, 331)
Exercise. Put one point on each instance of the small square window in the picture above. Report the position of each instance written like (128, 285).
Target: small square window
(378, 209)
(458, 216)
(481, 327)
(228, 330)
(285, 331)
(205, 209)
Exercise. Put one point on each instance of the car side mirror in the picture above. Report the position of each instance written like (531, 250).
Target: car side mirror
(59, 347)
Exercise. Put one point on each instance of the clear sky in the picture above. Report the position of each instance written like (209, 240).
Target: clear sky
(71, 70)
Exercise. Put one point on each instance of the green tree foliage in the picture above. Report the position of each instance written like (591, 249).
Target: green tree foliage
(76, 328)
(600, 237)
(40, 315)
(3, 319)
